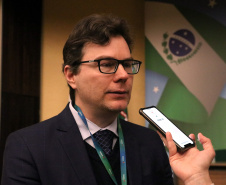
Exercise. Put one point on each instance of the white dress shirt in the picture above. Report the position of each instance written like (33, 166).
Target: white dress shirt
(92, 127)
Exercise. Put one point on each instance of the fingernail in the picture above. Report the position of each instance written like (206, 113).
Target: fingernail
(198, 138)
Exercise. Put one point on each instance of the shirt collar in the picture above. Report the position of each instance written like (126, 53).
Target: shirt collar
(92, 126)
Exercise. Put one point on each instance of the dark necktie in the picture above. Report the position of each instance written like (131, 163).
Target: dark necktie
(105, 139)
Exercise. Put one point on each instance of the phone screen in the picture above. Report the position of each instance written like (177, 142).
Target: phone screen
(167, 126)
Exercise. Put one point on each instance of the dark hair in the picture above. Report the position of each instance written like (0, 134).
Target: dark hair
(97, 29)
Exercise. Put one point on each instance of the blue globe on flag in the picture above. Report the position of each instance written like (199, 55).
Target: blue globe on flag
(181, 42)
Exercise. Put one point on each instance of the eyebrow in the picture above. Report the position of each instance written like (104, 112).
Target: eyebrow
(110, 57)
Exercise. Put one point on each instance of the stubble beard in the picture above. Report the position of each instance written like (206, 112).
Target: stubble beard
(117, 109)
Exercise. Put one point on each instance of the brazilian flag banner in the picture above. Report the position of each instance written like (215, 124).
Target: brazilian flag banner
(186, 64)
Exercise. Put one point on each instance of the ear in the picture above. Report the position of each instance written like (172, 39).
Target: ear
(70, 77)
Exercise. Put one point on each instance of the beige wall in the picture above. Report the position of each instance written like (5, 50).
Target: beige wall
(59, 18)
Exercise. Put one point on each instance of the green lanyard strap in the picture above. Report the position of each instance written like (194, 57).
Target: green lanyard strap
(102, 154)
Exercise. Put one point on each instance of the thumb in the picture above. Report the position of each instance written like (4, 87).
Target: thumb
(206, 143)
(170, 144)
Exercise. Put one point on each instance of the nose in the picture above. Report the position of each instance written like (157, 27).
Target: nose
(121, 74)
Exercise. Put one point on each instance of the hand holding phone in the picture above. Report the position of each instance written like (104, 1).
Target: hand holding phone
(163, 125)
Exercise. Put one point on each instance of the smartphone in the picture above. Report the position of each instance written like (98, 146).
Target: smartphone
(163, 125)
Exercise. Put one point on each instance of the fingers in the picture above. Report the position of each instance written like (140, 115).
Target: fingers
(192, 136)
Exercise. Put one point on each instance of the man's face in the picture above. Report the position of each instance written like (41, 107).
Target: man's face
(98, 92)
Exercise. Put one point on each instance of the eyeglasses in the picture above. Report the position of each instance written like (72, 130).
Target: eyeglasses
(110, 66)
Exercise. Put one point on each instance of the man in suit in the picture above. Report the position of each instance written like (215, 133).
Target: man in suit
(67, 149)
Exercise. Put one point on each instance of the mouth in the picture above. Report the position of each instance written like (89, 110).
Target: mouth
(118, 92)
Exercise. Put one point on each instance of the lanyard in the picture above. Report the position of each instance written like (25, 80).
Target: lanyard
(103, 156)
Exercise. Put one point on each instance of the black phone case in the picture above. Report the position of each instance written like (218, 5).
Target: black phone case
(179, 148)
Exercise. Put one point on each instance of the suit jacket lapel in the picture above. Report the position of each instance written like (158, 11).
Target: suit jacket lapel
(73, 144)
(133, 158)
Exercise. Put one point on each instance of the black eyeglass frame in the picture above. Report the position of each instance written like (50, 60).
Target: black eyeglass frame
(116, 67)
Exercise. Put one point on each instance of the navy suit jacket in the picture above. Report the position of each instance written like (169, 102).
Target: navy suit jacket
(53, 153)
